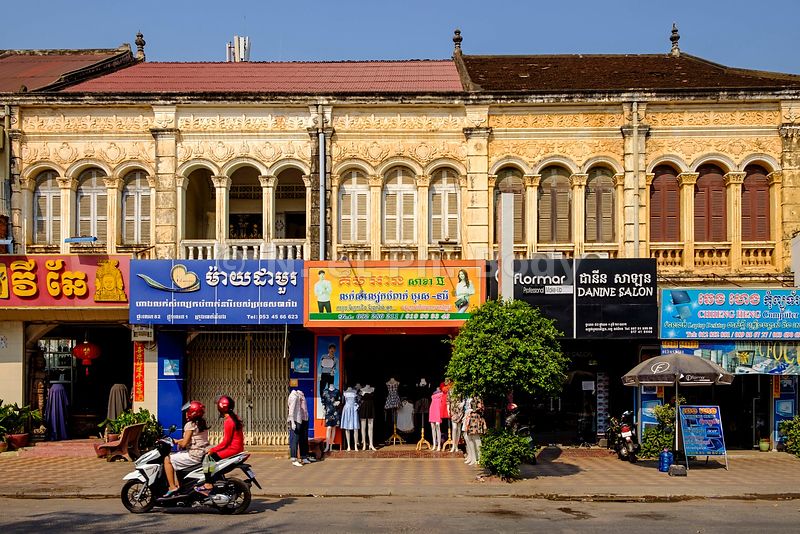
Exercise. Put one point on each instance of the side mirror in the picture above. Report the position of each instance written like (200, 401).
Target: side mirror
(172, 428)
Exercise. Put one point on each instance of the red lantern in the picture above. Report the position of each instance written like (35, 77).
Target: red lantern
(86, 352)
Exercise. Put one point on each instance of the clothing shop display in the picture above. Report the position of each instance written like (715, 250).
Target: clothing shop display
(445, 412)
(118, 401)
(476, 423)
(405, 417)
(298, 425)
(422, 392)
(435, 410)
(392, 397)
(455, 405)
(350, 411)
(331, 399)
(366, 408)
(56, 414)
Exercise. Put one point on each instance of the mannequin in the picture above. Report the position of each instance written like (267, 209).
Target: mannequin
(455, 404)
(349, 421)
(445, 413)
(366, 413)
(435, 417)
(356, 435)
(298, 428)
(475, 426)
(331, 399)
(393, 403)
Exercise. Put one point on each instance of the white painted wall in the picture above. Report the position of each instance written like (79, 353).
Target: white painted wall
(12, 353)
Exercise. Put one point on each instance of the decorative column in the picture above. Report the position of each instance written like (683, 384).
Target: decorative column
(578, 184)
(423, 185)
(491, 183)
(222, 185)
(463, 229)
(113, 219)
(28, 226)
(634, 159)
(335, 180)
(733, 186)
(268, 183)
(166, 215)
(69, 216)
(181, 183)
(619, 213)
(375, 235)
(531, 182)
(21, 208)
(790, 181)
(775, 180)
(687, 181)
(330, 239)
(477, 243)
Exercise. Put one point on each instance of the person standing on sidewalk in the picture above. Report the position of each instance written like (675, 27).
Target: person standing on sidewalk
(298, 428)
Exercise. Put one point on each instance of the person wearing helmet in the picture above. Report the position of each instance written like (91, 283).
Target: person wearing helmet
(194, 444)
(232, 438)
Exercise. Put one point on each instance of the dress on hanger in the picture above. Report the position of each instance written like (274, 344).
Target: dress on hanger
(435, 412)
(405, 417)
(366, 410)
(455, 406)
(329, 398)
(350, 411)
(476, 424)
(392, 398)
(423, 396)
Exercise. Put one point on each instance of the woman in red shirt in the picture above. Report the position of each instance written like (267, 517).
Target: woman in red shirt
(232, 438)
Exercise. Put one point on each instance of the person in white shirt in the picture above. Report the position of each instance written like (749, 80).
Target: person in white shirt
(323, 290)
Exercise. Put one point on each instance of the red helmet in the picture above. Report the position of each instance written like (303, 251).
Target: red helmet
(195, 410)
(225, 404)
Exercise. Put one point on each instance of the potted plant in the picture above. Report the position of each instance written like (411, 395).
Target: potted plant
(5, 419)
(17, 419)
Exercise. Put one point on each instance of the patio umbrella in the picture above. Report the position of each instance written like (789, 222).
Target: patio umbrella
(677, 369)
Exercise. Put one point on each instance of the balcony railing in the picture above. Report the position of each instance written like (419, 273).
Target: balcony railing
(758, 255)
(668, 256)
(399, 252)
(712, 255)
(603, 250)
(354, 252)
(250, 249)
(567, 250)
(444, 252)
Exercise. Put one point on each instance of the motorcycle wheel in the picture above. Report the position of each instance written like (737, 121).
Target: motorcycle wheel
(240, 498)
(129, 500)
(631, 454)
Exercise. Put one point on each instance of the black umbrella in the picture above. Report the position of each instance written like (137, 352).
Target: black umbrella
(677, 369)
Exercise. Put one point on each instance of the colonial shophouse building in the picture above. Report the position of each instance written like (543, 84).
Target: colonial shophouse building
(665, 156)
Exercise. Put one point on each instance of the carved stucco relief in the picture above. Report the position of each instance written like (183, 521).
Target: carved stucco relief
(714, 118)
(690, 148)
(266, 151)
(397, 121)
(244, 123)
(92, 121)
(578, 150)
(556, 120)
(375, 152)
(67, 153)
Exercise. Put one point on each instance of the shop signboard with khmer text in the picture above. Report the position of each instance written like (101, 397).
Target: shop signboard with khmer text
(730, 314)
(379, 294)
(216, 292)
(64, 281)
(589, 298)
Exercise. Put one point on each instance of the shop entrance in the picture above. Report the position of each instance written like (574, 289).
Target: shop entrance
(374, 359)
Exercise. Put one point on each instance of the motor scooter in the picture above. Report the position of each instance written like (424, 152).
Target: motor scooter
(626, 442)
(147, 484)
(516, 424)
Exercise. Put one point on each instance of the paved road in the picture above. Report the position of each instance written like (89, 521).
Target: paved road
(406, 514)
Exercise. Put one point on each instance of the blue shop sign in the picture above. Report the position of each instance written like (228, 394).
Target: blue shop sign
(216, 292)
(701, 428)
(731, 314)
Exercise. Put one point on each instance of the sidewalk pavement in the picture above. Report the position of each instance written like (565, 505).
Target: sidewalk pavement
(560, 475)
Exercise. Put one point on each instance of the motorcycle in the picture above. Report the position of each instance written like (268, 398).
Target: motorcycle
(147, 484)
(623, 437)
(521, 428)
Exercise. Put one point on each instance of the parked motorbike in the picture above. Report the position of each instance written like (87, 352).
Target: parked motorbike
(622, 437)
(147, 484)
(519, 426)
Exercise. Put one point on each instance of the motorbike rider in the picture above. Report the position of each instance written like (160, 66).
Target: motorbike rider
(194, 442)
(232, 438)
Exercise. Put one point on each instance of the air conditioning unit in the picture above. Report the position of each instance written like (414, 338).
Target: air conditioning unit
(142, 332)
(595, 256)
(546, 256)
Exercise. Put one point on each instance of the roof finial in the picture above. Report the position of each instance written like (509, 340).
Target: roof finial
(675, 37)
(140, 46)
(457, 41)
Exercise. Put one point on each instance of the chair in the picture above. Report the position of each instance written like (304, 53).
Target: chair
(126, 447)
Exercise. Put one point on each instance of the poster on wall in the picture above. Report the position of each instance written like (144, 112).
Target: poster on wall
(379, 294)
(57, 281)
(327, 369)
(742, 357)
(216, 292)
(138, 371)
(735, 314)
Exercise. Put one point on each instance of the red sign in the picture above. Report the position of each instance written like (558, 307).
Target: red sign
(138, 371)
(64, 281)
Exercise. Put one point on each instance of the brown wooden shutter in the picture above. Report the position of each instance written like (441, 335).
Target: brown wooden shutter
(606, 215)
(545, 215)
(591, 213)
(755, 205)
(664, 206)
(710, 206)
(519, 217)
(563, 211)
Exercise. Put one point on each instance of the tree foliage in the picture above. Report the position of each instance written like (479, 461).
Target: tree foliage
(507, 346)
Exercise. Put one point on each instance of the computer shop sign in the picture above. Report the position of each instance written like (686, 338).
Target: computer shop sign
(738, 314)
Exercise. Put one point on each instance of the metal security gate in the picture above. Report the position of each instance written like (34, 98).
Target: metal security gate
(251, 368)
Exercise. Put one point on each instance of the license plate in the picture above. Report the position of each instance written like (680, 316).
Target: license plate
(249, 473)
(627, 434)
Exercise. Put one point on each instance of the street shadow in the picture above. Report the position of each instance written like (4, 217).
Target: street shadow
(546, 466)
(258, 505)
(64, 521)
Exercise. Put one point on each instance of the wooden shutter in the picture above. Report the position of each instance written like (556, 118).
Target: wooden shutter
(100, 220)
(755, 205)
(144, 214)
(664, 207)
(717, 200)
(591, 212)
(345, 216)
(519, 217)
(437, 216)
(452, 213)
(606, 215)
(42, 217)
(545, 215)
(84, 212)
(408, 207)
(128, 216)
(710, 206)
(563, 215)
(362, 216)
(390, 218)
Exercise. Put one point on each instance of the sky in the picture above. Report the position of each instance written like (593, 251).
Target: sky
(761, 34)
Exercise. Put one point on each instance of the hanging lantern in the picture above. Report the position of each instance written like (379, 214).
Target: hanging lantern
(86, 352)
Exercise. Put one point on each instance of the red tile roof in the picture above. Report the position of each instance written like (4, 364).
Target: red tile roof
(423, 76)
(37, 69)
(567, 73)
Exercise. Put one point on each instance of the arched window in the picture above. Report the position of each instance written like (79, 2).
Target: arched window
(92, 205)
(510, 181)
(755, 204)
(665, 206)
(710, 208)
(136, 209)
(555, 210)
(399, 206)
(600, 207)
(354, 208)
(443, 208)
(47, 209)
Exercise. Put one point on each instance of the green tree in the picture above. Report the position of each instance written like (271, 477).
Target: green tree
(507, 346)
